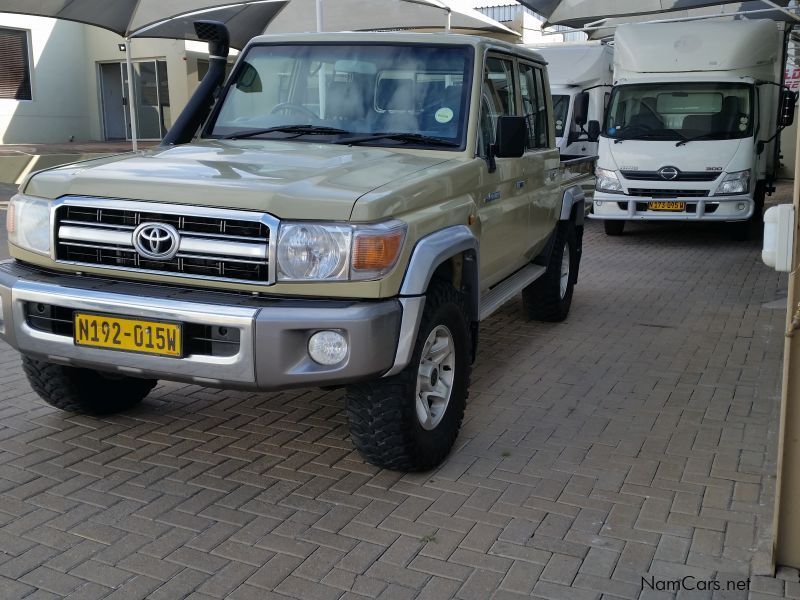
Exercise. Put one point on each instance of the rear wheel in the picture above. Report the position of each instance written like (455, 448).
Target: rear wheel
(550, 297)
(614, 227)
(409, 422)
(84, 390)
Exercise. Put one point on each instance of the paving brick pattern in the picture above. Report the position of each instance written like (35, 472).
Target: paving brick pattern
(636, 439)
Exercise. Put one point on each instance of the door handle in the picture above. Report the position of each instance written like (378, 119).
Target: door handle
(520, 184)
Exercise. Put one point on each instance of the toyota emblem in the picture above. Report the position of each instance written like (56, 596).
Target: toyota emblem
(156, 241)
(668, 173)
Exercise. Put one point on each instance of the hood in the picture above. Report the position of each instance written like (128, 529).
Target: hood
(287, 179)
(651, 155)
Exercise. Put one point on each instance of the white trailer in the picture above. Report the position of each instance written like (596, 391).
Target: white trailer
(581, 76)
(693, 124)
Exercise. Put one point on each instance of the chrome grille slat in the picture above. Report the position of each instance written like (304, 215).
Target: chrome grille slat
(216, 244)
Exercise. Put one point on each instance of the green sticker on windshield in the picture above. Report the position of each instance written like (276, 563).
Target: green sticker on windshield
(444, 115)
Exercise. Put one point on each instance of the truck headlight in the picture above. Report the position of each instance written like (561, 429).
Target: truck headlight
(607, 181)
(338, 252)
(734, 183)
(28, 223)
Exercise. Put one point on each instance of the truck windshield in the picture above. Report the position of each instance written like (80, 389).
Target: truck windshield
(334, 92)
(680, 111)
(560, 110)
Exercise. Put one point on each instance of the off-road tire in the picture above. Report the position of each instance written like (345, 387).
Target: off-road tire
(543, 299)
(83, 390)
(382, 416)
(614, 227)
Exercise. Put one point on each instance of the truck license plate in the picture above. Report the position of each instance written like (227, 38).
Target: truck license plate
(128, 335)
(666, 205)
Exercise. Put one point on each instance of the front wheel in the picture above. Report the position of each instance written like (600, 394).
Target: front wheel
(409, 422)
(614, 227)
(83, 390)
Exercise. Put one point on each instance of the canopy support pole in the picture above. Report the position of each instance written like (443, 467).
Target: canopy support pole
(449, 20)
(131, 97)
(319, 15)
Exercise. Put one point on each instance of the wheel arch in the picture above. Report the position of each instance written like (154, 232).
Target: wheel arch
(572, 208)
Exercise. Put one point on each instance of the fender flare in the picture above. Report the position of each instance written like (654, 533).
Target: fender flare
(428, 255)
(572, 196)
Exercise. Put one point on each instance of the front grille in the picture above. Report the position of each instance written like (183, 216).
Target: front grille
(682, 176)
(214, 243)
(198, 339)
(656, 193)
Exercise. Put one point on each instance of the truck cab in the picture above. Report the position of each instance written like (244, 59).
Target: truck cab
(692, 128)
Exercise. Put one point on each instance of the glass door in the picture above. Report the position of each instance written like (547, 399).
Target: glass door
(151, 89)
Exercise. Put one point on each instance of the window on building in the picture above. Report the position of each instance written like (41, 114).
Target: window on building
(15, 72)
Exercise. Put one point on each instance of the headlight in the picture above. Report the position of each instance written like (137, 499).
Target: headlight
(28, 223)
(338, 252)
(734, 183)
(607, 181)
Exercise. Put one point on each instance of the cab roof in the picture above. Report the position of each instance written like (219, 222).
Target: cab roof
(400, 37)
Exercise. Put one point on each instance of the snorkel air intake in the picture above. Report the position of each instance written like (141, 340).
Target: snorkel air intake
(199, 105)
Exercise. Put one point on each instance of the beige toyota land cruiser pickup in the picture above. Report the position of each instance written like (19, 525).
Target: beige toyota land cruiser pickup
(343, 211)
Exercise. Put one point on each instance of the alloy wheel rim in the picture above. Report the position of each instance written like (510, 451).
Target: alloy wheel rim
(435, 377)
(565, 263)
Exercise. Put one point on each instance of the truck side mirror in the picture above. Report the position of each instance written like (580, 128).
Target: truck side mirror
(581, 110)
(511, 137)
(593, 129)
(788, 102)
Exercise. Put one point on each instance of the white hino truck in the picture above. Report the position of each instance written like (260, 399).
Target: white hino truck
(693, 125)
(581, 76)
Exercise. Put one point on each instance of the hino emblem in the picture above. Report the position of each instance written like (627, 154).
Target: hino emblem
(668, 173)
(156, 241)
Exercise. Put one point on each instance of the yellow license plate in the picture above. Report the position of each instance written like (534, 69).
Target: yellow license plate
(128, 335)
(666, 205)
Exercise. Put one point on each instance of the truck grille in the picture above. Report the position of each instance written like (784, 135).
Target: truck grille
(213, 243)
(656, 193)
(682, 176)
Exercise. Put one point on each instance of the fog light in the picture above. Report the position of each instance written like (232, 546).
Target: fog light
(327, 347)
(740, 206)
(598, 203)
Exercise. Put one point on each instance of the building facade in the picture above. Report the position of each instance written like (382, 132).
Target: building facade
(62, 81)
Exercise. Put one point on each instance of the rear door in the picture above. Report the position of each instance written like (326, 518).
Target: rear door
(541, 165)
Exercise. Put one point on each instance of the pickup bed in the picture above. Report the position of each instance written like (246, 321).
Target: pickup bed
(344, 211)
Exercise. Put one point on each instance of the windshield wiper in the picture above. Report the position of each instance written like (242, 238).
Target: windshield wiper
(709, 135)
(298, 129)
(400, 136)
(651, 134)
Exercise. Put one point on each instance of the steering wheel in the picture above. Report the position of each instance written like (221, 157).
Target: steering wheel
(291, 106)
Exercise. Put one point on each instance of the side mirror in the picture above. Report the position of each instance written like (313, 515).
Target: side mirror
(511, 137)
(580, 114)
(788, 102)
(593, 129)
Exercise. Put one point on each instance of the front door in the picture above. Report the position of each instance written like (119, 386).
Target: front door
(502, 197)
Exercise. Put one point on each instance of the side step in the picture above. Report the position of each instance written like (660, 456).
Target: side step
(508, 288)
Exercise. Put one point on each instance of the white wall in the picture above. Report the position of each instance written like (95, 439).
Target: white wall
(60, 105)
(66, 92)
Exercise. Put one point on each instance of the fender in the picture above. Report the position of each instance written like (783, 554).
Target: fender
(428, 255)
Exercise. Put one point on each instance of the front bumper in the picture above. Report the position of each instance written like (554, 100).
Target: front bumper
(272, 334)
(704, 208)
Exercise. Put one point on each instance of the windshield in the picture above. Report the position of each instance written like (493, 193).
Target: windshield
(341, 91)
(560, 110)
(680, 111)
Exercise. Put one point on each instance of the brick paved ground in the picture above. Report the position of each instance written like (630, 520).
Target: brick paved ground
(635, 439)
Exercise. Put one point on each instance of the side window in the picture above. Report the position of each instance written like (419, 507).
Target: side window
(498, 98)
(534, 105)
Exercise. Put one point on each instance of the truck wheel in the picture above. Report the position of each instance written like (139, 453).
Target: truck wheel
(83, 390)
(614, 227)
(549, 297)
(409, 422)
